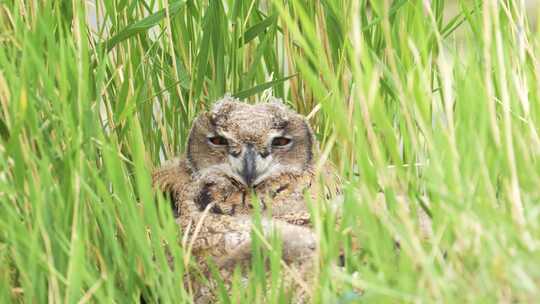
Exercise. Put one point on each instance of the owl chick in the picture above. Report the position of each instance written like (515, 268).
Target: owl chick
(241, 157)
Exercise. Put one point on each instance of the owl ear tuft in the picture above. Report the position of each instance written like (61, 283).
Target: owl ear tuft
(222, 107)
(277, 102)
(225, 104)
(205, 118)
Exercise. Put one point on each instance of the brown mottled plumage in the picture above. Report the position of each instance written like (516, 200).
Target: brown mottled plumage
(235, 153)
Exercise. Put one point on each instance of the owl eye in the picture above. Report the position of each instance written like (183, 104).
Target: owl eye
(218, 140)
(280, 141)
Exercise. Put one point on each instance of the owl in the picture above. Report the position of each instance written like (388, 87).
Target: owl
(241, 158)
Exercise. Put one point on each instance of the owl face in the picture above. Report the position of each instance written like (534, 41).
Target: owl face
(250, 143)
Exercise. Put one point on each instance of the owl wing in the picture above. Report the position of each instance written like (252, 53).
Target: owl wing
(228, 238)
(173, 178)
(333, 184)
(331, 180)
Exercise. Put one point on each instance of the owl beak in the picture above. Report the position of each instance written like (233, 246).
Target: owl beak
(249, 165)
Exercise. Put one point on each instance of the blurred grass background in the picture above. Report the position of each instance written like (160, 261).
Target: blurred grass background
(424, 106)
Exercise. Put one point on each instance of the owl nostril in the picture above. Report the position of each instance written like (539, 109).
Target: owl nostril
(264, 153)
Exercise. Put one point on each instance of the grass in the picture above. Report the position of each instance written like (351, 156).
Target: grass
(417, 118)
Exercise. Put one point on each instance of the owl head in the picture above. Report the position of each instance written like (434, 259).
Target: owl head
(250, 143)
